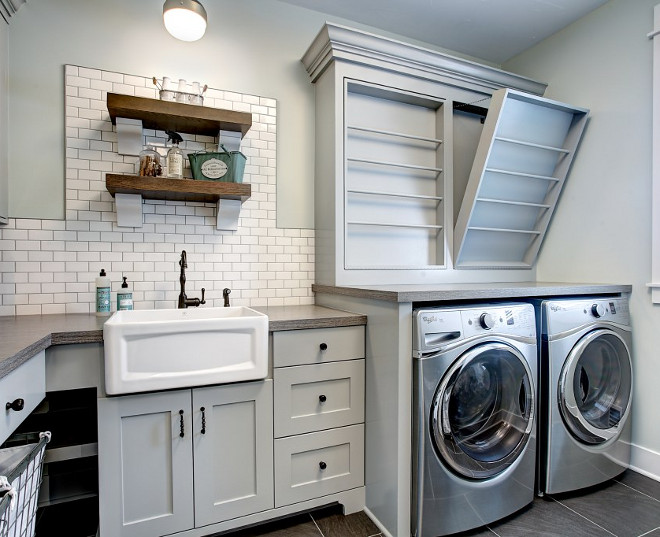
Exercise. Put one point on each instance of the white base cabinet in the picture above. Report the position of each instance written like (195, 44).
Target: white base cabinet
(200, 461)
(173, 461)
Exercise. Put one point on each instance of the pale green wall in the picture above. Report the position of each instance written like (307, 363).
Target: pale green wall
(251, 46)
(3, 119)
(601, 231)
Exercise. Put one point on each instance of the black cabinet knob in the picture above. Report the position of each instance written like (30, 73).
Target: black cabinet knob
(323, 346)
(203, 410)
(181, 429)
(322, 465)
(322, 398)
(16, 405)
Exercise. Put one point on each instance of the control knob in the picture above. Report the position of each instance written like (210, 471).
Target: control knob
(486, 321)
(597, 310)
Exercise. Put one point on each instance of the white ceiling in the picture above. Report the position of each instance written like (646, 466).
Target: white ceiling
(493, 30)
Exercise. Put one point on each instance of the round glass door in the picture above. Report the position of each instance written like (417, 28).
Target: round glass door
(595, 387)
(483, 411)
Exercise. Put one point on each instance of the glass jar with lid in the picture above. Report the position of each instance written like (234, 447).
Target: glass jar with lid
(150, 163)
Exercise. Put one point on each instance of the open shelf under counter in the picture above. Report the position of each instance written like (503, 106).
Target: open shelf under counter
(163, 188)
(178, 117)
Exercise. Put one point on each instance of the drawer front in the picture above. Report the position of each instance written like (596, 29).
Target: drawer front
(27, 382)
(317, 345)
(316, 397)
(316, 464)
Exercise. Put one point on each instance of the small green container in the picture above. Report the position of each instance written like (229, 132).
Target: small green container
(225, 166)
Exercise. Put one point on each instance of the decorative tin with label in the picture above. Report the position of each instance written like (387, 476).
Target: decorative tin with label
(226, 166)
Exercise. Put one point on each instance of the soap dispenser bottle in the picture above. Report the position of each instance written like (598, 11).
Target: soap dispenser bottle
(175, 156)
(124, 297)
(102, 294)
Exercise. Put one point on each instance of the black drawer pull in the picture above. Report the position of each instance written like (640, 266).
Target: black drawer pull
(323, 346)
(322, 398)
(16, 404)
(203, 420)
(181, 423)
(322, 465)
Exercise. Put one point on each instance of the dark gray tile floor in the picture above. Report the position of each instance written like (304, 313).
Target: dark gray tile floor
(628, 506)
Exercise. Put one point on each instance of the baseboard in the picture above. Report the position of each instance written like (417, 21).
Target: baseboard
(377, 522)
(645, 461)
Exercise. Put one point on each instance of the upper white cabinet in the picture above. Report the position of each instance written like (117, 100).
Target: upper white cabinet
(394, 180)
(396, 134)
(526, 148)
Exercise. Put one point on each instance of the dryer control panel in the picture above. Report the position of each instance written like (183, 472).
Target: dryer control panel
(568, 314)
(435, 328)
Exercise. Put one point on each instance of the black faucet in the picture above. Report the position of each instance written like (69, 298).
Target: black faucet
(184, 301)
(225, 295)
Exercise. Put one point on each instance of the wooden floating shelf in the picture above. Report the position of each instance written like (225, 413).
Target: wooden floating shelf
(162, 188)
(178, 117)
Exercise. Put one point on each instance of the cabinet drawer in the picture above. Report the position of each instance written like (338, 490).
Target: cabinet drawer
(318, 345)
(27, 382)
(315, 397)
(317, 464)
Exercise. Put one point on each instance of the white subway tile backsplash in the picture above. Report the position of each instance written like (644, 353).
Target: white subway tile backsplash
(49, 266)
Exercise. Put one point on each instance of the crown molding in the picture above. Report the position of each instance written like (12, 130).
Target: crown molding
(340, 43)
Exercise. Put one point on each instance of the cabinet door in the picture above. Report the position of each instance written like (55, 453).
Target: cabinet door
(233, 446)
(145, 462)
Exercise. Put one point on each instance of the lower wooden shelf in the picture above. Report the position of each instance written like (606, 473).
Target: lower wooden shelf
(162, 188)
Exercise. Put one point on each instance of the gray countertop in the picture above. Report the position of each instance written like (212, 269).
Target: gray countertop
(23, 336)
(471, 291)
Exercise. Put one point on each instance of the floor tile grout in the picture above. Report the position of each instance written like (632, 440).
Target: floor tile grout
(582, 516)
(649, 532)
(317, 526)
(638, 491)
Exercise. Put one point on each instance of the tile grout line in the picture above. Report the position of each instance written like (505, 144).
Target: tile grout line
(317, 526)
(582, 516)
(649, 532)
(638, 491)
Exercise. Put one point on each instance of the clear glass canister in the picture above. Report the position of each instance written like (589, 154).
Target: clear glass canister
(150, 163)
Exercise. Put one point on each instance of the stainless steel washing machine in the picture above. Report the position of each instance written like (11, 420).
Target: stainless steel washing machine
(474, 440)
(585, 392)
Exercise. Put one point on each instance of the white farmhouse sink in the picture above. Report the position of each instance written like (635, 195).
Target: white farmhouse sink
(147, 350)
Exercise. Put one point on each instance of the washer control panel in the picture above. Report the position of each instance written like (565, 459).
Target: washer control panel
(435, 328)
(567, 314)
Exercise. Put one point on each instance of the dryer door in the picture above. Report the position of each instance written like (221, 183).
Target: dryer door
(483, 411)
(595, 387)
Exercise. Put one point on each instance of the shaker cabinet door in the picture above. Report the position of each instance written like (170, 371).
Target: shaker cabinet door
(233, 446)
(145, 456)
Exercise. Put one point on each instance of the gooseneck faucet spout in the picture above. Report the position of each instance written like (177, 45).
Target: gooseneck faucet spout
(184, 301)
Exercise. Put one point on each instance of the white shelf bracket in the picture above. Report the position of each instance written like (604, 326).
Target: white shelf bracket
(230, 139)
(129, 136)
(129, 210)
(227, 214)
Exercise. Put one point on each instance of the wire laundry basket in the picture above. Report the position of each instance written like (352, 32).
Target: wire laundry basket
(20, 477)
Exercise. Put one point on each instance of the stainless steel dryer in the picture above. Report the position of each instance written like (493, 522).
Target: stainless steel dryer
(474, 442)
(586, 392)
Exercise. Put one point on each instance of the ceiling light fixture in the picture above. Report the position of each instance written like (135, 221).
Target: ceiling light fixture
(184, 19)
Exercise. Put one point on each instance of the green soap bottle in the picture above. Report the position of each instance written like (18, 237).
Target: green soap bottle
(124, 297)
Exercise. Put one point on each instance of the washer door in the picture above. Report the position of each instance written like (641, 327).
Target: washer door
(595, 387)
(483, 411)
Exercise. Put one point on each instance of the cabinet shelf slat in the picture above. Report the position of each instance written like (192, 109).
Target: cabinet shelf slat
(391, 224)
(511, 202)
(395, 164)
(505, 230)
(522, 174)
(393, 194)
(531, 144)
(395, 134)
(162, 188)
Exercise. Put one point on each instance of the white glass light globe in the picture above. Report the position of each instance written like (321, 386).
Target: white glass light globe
(184, 24)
